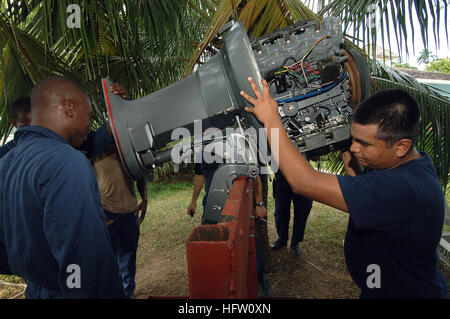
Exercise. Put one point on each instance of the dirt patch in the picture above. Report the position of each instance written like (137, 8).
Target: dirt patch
(162, 276)
(319, 273)
(309, 276)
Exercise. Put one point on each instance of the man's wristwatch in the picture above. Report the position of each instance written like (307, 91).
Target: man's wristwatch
(260, 204)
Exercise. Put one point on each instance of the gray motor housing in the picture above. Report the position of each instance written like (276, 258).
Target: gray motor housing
(316, 113)
(143, 126)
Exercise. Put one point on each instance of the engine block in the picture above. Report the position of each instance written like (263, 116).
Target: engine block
(306, 67)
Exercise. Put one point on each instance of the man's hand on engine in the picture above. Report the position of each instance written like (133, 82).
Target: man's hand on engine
(265, 108)
(118, 89)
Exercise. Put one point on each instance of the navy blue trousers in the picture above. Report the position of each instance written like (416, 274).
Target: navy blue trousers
(283, 196)
(124, 233)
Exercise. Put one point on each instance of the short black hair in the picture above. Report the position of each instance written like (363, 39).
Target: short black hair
(396, 113)
(22, 104)
(45, 92)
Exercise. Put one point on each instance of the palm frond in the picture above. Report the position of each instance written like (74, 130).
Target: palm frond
(259, 17)
(142, 44)
(370, 20)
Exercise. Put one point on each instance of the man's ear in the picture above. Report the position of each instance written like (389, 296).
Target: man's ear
(14, 123)
(403, 146)
(68, 107)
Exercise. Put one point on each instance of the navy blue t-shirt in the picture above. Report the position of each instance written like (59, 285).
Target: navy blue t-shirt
(97, 142)
(52, 220)
(395, 225)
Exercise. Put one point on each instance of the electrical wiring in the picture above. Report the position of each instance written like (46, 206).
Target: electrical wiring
(307, 53)
(303, 72)
(302, 66)
(313, 93)
(312, 73)
(310, 68)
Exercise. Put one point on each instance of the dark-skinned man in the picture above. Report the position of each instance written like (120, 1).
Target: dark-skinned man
(96, 142)
(396, 204)
(53, 229)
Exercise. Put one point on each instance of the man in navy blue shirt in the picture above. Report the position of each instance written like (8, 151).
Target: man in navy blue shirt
(53, 230)
(396, 209)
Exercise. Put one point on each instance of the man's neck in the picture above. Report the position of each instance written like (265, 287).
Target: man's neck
(52, 127)
(410, 156)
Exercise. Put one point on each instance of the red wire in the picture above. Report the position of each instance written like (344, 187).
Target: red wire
(309, 68)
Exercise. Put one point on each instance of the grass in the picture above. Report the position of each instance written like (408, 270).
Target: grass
(161, 261)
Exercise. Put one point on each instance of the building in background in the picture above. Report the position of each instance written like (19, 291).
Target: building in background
(439, 81)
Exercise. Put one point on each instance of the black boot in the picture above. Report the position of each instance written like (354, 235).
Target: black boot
(278, 245)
